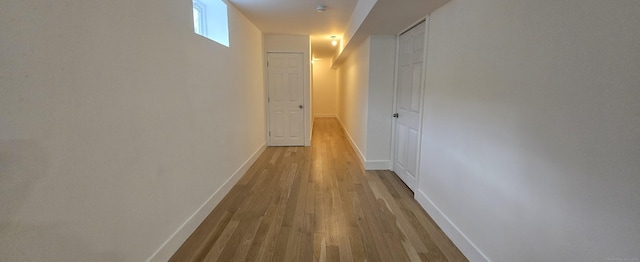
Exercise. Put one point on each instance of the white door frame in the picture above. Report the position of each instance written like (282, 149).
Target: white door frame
(304, 97)
(395, 95)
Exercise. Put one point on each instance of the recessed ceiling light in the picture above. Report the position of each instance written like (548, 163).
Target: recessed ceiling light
(321, 8)
(334, 42)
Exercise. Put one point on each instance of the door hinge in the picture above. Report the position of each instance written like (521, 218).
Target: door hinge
(268, 99)
(269, 133)
(267, 63)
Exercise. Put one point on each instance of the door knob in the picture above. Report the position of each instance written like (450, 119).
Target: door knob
(300, 106)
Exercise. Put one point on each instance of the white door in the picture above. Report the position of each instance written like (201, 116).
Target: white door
(286, 93)
(409, 104)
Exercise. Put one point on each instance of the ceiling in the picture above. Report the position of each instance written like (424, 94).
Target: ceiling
(300, 17)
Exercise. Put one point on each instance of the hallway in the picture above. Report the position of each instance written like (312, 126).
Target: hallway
(316, 204)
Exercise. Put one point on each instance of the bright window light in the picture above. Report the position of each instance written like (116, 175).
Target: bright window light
(199, 18)
(210, 20)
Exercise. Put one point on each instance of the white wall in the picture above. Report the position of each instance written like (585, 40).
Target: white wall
(365, 99)
(353, 92)
(117, 123)
(380, 100)
(296, 44)
(360, 13)
(324, 89)
(532, 128)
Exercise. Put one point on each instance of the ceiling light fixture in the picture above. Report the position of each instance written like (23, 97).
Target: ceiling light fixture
(334, 42)
(321, 8)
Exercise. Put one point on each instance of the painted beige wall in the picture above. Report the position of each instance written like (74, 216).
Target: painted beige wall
(324, 89)
(297, 44)
(117, 123)
(353, 82)
(532, 128)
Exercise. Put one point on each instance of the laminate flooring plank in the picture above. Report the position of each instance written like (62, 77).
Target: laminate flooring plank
(263, 229)
(397, 251)
(298, 220)
(307, 238)
(369, 244)
(354, 237)
(227, 250)
(280, 247)
(221, 242)
(268, 249)
(319, 210)
(309, 206)
(411, 252)
(269, 217)
(373, 216)
(288, 244)
(333, 253)
(247, 240)
(319, 247)
(403, 225)
(271, 236)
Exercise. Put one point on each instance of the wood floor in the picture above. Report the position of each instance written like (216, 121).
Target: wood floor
(317, 204)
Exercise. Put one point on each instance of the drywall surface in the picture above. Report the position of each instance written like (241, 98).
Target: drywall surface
(324, 89)
(117, 123)
(531, 126)
(360, 12)
(365, 99)
(295, 44)
(380, 97)
(353, 92)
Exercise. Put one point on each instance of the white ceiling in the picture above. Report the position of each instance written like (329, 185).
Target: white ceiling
(300, 17)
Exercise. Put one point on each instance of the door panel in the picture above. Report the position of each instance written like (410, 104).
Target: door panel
(409, 104)
(294, 88)
(286, 92)
(277, 121)
(295, 123)
(416, 87)
(401, 140)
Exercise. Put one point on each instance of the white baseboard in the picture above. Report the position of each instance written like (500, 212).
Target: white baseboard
(377, 165)
(353, 143)
(171, 245)
(324, 116)
(367, 164)
(461, 241)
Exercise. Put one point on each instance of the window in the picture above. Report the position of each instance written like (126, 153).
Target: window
(199, 17)
(210, 20)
